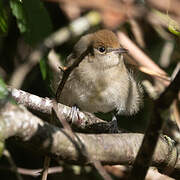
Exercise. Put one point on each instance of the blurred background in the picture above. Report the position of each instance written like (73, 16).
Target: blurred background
(37, 35)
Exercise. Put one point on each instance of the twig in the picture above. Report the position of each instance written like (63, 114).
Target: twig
(177, 68)
(176, 112)
(68, 71)
(54, 61)
(34, 172)
(165, 57)
(121, 172)
(164, 5)
(83, 150)
(169, 94)
(141, 59)
(47, 161)
(146, 151)
(12, 163)
(153, 73)
(102, 170)
(137, 32)
(109, 10)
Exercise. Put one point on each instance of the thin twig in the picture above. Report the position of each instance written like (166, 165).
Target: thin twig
(141, 59)
(12, 163)
(79, 145)
(102, 170)
(33, 172)
(68, 71)
(146, 151)
(176, 112)
(37, 172)
(137, 32)
(47, 161)
(139, 56)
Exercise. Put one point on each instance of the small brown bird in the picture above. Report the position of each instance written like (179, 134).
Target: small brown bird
(102, 82)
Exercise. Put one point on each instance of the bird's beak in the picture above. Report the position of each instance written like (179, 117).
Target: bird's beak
(120, 50)
(117, 50)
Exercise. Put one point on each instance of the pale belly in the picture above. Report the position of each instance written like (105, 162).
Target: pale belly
(104, 91)
(101, 95)
(101, 101)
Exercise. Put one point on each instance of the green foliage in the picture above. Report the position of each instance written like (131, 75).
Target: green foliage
(32, 19)
(3, 90)
(174, 30)
(4, 94)
(46, 74)
(18, 12)
(173, 26)
(43, 68)
(3, 20)
(1, 148)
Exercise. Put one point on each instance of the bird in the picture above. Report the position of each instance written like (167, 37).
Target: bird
(103, 81)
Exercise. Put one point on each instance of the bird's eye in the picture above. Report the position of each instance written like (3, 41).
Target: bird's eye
(102, 49)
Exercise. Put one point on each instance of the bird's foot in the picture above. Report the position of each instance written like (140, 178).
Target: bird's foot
(113, 125)
(74, 114)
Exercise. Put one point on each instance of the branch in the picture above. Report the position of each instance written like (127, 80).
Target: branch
(58, 143)
(146, 151)
(84, 121)
(67, 72)
(33, 172)
(145, 63)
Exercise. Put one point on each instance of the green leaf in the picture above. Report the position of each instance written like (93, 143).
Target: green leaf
(173, 26)
(43, 68)
(2, 146)
(19, 13)
(3, 90)
(4, 94)
(46, 74)
(38, 21)
(173, 30)
(3, 20)
(32, 19)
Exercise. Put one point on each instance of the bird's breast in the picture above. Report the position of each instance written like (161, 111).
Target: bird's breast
(97, 91)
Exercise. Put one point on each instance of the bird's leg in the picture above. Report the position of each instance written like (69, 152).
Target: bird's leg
(74, 114)
(114, 126)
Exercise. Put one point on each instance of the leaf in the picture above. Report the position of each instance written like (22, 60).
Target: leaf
(32, 19)
(38, 21)
(4, 94)
(3, 20)
(174, 30)
(19, 13)
(43, 68)
(172, 25)
(46, 74)
(2, 146)
(3, 90)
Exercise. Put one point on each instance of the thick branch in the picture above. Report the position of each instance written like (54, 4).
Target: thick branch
(58, 143)
(84, 120)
